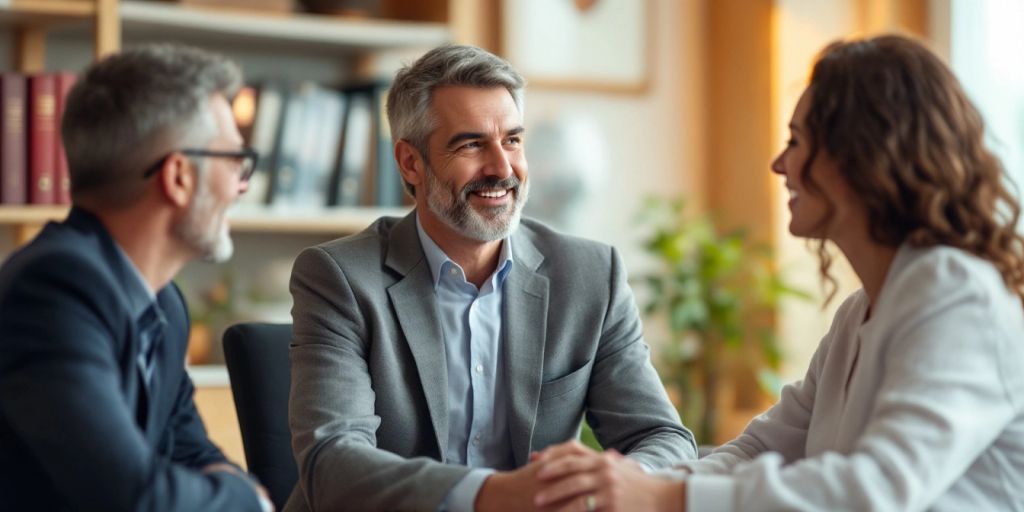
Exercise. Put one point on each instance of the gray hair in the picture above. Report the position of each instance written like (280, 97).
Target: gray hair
(409, 100)
(131, 109)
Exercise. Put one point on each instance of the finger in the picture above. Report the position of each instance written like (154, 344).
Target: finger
(577, 504)
(564, 466)
(566, 488)
(572, 447)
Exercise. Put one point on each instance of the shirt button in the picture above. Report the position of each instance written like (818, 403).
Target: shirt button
(480, 368)
(476, 440)
(453, 271)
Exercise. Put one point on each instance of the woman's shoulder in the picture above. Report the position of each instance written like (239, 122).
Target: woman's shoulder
(941, 281)
(935, 272)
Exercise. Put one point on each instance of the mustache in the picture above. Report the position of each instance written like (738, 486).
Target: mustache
(489, 183)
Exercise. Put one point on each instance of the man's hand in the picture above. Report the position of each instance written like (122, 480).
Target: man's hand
(574, 477)
(508, 490)
(261, 492)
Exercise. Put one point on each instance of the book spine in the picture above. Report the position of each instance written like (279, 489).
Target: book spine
(13, 189)
(354, 159)
(389, 181)
(42, 139)
(64, 83)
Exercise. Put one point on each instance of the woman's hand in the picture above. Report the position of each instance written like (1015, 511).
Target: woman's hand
(573, 477)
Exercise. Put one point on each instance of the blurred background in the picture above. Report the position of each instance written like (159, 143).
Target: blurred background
(650, 126)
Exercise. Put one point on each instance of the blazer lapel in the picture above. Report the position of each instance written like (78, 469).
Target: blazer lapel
(419, 319)
(524, 327)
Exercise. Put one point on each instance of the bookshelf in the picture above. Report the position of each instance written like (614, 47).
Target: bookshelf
(108, 21)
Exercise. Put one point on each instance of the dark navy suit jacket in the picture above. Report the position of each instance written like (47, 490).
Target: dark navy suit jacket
(79, 429)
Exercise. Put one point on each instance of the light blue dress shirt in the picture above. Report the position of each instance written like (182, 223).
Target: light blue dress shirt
(478, 434)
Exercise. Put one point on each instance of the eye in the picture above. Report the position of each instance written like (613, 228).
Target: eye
(514, 140)
(473, 144)
(791, 142)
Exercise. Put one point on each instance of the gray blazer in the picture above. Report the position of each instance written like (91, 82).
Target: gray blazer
(368, 405)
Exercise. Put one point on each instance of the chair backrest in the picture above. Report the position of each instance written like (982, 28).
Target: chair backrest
(257, 359)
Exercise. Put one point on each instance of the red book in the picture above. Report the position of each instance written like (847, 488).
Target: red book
(13, 189)
(42, 139)
(63, 180)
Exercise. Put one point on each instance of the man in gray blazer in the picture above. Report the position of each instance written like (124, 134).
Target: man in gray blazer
(434, 354)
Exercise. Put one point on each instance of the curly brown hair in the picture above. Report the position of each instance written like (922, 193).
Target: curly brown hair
(910, 143)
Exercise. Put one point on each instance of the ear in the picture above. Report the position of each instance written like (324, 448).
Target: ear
(178, 179)
(410, 163)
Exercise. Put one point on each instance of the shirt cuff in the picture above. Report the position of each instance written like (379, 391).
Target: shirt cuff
(710, 493)
(677, 473)
(462, 495)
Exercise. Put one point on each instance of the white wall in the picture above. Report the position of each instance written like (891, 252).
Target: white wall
(650, 144)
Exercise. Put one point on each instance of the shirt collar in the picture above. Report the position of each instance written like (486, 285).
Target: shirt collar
(139, 295)
(437, 259)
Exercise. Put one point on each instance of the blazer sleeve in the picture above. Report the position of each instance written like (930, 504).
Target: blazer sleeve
(60, 379)
(781, 429)
(191, 443)
(192, 446)
(627, 405)
(331, 406)
(944, 399)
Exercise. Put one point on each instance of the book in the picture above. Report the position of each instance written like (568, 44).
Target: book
(63, 179)
(42, 138)
(295, 129)
(319, 154)
(389, 182)
(13, 188)
(261, 135)
(348, 184)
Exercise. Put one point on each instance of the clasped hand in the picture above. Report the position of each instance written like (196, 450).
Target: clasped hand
(572, 477)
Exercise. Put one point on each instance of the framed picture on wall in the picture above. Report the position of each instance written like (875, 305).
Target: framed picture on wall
(601, 45)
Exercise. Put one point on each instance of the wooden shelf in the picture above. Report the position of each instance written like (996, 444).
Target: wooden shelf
(341, 220)
(328, 221)
(209, 375)
(58, 8)
(14, 215)
(315, 32)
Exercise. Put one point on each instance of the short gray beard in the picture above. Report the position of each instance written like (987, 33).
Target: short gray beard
(204, 229)
(457, 213)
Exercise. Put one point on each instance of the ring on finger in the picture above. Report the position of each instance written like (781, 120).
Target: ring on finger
(590, 503)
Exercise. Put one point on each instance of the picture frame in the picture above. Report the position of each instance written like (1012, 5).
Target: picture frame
(596, 45)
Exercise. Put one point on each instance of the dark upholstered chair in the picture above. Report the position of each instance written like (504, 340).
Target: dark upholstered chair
(257, 359)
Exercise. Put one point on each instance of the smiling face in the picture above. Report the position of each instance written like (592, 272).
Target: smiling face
(475, 181)
(809, 207)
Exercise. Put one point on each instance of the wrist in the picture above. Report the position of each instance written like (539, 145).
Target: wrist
(487, 497)
(673, 496)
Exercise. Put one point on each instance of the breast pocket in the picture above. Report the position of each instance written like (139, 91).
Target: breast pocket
(566, 384)
(561, 407)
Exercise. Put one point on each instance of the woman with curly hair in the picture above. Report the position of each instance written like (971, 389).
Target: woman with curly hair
(914, 399)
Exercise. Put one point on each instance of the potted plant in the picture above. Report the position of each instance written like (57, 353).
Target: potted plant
(713, 290)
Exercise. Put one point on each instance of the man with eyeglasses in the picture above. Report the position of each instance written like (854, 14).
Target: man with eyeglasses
(96, 409)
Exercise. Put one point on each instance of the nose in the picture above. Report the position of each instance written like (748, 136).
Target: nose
(499, 162)
(776, 165)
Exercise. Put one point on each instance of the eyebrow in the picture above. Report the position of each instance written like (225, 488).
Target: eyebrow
(459, 137)
(794, 128)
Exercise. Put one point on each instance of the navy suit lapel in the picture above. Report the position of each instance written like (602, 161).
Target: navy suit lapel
(419, 318)
(524, 329)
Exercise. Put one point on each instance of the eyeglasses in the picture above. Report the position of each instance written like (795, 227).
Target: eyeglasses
(246, 158)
